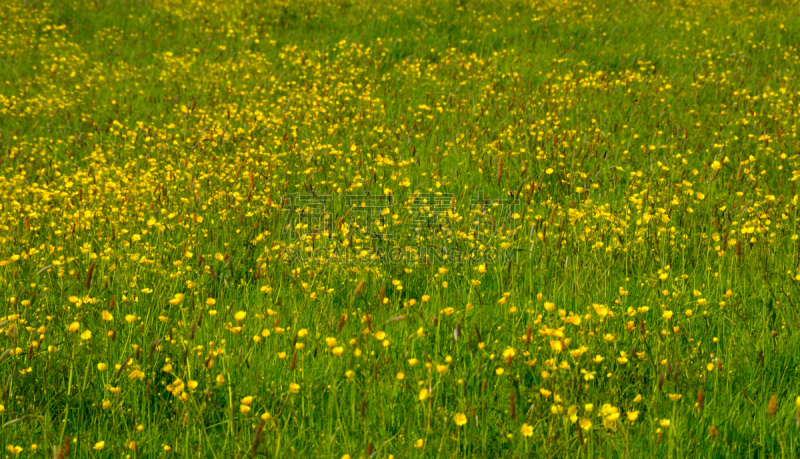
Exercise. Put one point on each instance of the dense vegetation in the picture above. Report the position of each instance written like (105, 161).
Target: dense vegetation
(399, 228)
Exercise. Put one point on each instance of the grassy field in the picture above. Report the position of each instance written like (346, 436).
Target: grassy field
(343, 229)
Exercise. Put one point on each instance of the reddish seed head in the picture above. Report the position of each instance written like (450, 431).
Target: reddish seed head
(772, 409)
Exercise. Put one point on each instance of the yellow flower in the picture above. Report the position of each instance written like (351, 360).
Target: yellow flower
(294, 388)
(585, 424)
(419, 443)
(87, 335)
(526, 430)
(460, 419)
(130, 318)
(107, 316)
(423, 395)
(244, 409)
(337, 351)
(610, 412)
(664, 423)
(240, 315)
(572, 412)
(610, 416)
(74, 326)
(99, 445)
(674, 397)
(633, 415)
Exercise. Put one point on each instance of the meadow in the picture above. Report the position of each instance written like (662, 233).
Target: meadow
(399, 229)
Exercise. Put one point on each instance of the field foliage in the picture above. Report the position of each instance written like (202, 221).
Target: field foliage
(357, 228)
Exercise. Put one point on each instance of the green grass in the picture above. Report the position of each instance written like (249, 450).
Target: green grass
(646, 152)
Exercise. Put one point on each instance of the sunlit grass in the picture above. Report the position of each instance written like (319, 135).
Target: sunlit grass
(223, 229)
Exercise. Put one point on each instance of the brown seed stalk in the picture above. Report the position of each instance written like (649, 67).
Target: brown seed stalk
(89, 274)
(257, 438)
(64, 450)
(359, 288)
(772, 409)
